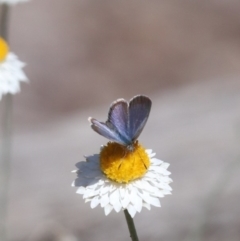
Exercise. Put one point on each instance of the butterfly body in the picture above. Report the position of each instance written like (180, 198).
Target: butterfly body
(125, 121)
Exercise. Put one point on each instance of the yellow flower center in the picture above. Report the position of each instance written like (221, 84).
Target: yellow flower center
(3, 49)
(122, 165)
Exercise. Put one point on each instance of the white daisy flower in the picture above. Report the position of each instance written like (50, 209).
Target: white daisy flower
(118, 179)
(11, 72)
(12, 2)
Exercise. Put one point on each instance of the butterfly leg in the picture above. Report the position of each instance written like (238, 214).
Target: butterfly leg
(142, 161)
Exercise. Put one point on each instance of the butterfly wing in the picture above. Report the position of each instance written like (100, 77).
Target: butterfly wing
(139, 109)
(107, 130)
(118, 117)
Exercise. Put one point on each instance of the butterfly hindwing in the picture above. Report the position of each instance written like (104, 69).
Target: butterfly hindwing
(106, 130)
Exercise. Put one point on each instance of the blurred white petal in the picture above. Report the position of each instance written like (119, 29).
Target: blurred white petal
(11, 74)
(12, 2)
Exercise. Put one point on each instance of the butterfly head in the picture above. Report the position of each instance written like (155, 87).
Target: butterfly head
(132, 146)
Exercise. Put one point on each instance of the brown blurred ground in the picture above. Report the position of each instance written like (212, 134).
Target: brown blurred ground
(80, 53)
(81, 56)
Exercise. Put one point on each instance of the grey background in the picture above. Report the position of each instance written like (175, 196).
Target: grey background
(82, 55)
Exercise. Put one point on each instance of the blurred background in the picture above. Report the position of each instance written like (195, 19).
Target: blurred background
(82, 55)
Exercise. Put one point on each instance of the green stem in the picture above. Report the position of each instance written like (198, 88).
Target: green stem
(5, 163)
(6, 136)
(131, 226)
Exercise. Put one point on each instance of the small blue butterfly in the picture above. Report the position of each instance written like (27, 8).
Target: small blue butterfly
(125, 120)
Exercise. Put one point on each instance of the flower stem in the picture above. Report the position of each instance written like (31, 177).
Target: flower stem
(6, 136)
(4, 21)
(131, 226)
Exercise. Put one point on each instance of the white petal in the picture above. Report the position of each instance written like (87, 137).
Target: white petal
(153, 201)
(122, 192)
(108, 209)
(12, 2)
(115, 200)
(104, 200)
(152, 154)
(150, 175)
(165, 186)
(104, 190)
(11, 74)
(149, 151)
(156, 161)
(131, 210)
(135, 199)
(95, 201)
(137, 203)
(89, 193)
(117, 207)
(81, 190)
(147, 206)
(166, 192)
(143, 184)
(165, 165)
(125, 200)
(114, 197)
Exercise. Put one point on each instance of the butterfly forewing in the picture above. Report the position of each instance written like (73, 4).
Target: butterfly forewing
(118, 117)
(139, 109)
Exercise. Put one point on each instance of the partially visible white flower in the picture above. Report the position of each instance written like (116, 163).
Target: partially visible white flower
(11, 2)
(11, 73)
(127, 190)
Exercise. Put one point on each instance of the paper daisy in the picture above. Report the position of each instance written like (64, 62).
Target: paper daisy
(12, 2)
(124, 175)
(11, 73)
(117, 179)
